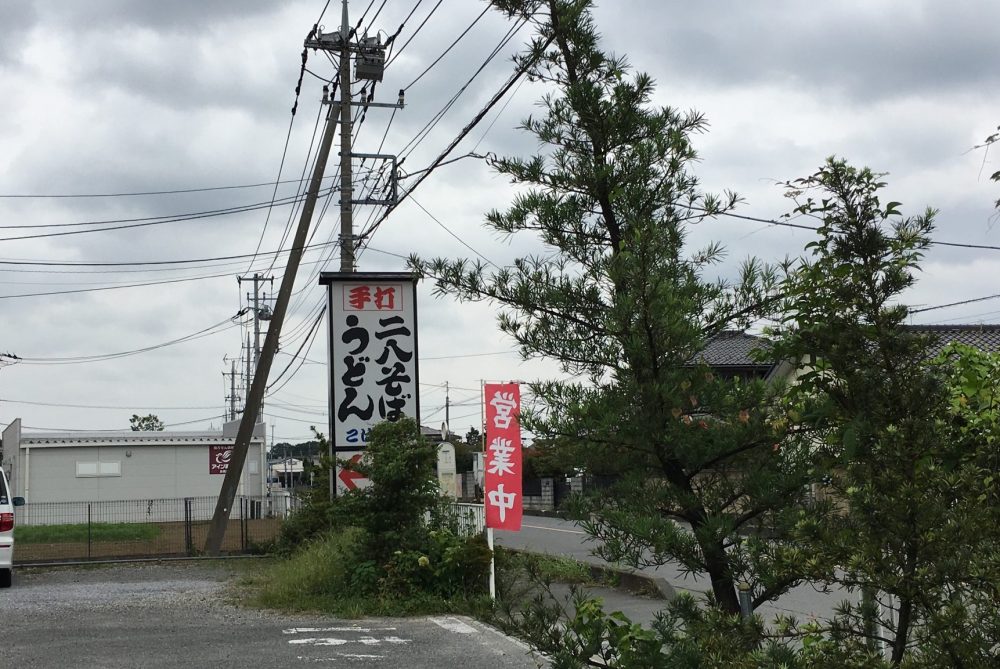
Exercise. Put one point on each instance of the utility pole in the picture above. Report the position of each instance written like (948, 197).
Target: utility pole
(370, 66)
(447, 408)
(346, 176)
(220, 519)
(260, 313)
(249, 373)
(232, 389)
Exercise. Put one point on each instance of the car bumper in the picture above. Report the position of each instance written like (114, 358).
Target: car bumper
(6, 553)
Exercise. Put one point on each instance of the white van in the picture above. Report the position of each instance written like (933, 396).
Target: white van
(7, 504)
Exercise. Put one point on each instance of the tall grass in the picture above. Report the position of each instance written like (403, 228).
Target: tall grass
(56, 534)
(322, 576)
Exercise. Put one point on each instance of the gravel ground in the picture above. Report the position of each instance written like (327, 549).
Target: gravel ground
(176, 615)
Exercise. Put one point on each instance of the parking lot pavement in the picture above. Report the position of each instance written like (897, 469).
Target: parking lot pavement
(175, 615)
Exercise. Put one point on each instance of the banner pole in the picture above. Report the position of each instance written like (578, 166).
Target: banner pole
(493, 563)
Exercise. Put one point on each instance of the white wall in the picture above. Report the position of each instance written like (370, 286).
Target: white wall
(147, 472)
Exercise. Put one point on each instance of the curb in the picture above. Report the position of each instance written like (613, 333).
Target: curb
(633, 581)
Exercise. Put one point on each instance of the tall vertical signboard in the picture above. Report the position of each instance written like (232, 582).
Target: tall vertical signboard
(373, 359)
(502, 491)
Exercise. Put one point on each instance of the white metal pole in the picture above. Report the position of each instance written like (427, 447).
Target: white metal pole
(493, 563)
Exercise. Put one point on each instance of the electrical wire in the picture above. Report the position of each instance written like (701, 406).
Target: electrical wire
(176, 191)
(145, 263)
(448, 230)
(450, 47)
(392, 38)
(60, 405)
(162, 282)
(150, 221)
(518, 73)
(954, 304)
(211, 330)
(113, 430)
(426, 130)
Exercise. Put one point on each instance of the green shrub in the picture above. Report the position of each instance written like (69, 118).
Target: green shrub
(446, 566)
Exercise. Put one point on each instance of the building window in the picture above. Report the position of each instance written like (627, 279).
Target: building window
(97, 469)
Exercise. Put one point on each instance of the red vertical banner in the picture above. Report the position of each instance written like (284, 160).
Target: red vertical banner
(504, 505)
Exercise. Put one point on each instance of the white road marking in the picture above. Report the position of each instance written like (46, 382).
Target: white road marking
(553, 529)
(453, 625)
(349, 656)
(320, 630)
(333, 641)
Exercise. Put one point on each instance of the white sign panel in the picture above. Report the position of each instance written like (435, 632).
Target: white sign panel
(373, 353)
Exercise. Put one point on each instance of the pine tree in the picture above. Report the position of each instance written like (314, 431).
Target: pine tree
(621, 302)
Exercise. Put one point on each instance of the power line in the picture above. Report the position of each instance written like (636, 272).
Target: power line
(518, 73)
(307, 339)
(175, 191)
(954, 304)
(210, 330)
(450, 47)
(143, 263)
(121, 286)
(113, 430)
(426, 130)
(178, 217)
(150, 221)
(448, 230)
(392, 38)
(102, 406)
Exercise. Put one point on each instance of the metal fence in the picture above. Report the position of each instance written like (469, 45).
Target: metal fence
(130, 529)
(122, 529)
(471, 519)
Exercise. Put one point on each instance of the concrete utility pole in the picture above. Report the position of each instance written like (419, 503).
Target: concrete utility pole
(220, 519)
(369, 65)
(232, 389)
(346, 176)
(260, 313)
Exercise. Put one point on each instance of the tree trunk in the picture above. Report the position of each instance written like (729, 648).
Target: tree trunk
(717, 566)
(902, 630)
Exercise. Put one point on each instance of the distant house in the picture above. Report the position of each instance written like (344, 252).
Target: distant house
(731, 354)
(983, 337)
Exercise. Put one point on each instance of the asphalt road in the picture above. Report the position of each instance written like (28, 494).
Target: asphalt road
(556, 536)
(175, 615)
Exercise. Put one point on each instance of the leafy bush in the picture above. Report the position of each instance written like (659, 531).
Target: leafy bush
(402, 553)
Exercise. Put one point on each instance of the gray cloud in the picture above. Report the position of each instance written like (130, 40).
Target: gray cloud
(865, 52)
(19, 18)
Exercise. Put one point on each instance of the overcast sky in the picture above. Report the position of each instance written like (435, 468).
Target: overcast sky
(121, 96)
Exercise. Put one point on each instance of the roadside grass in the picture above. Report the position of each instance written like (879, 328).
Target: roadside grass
(323, 577)
(55, 534)
(553, 569)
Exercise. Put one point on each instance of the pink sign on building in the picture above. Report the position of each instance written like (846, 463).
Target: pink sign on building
(219, 456)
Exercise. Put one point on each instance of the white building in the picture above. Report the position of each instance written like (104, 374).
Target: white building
(127, 465)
